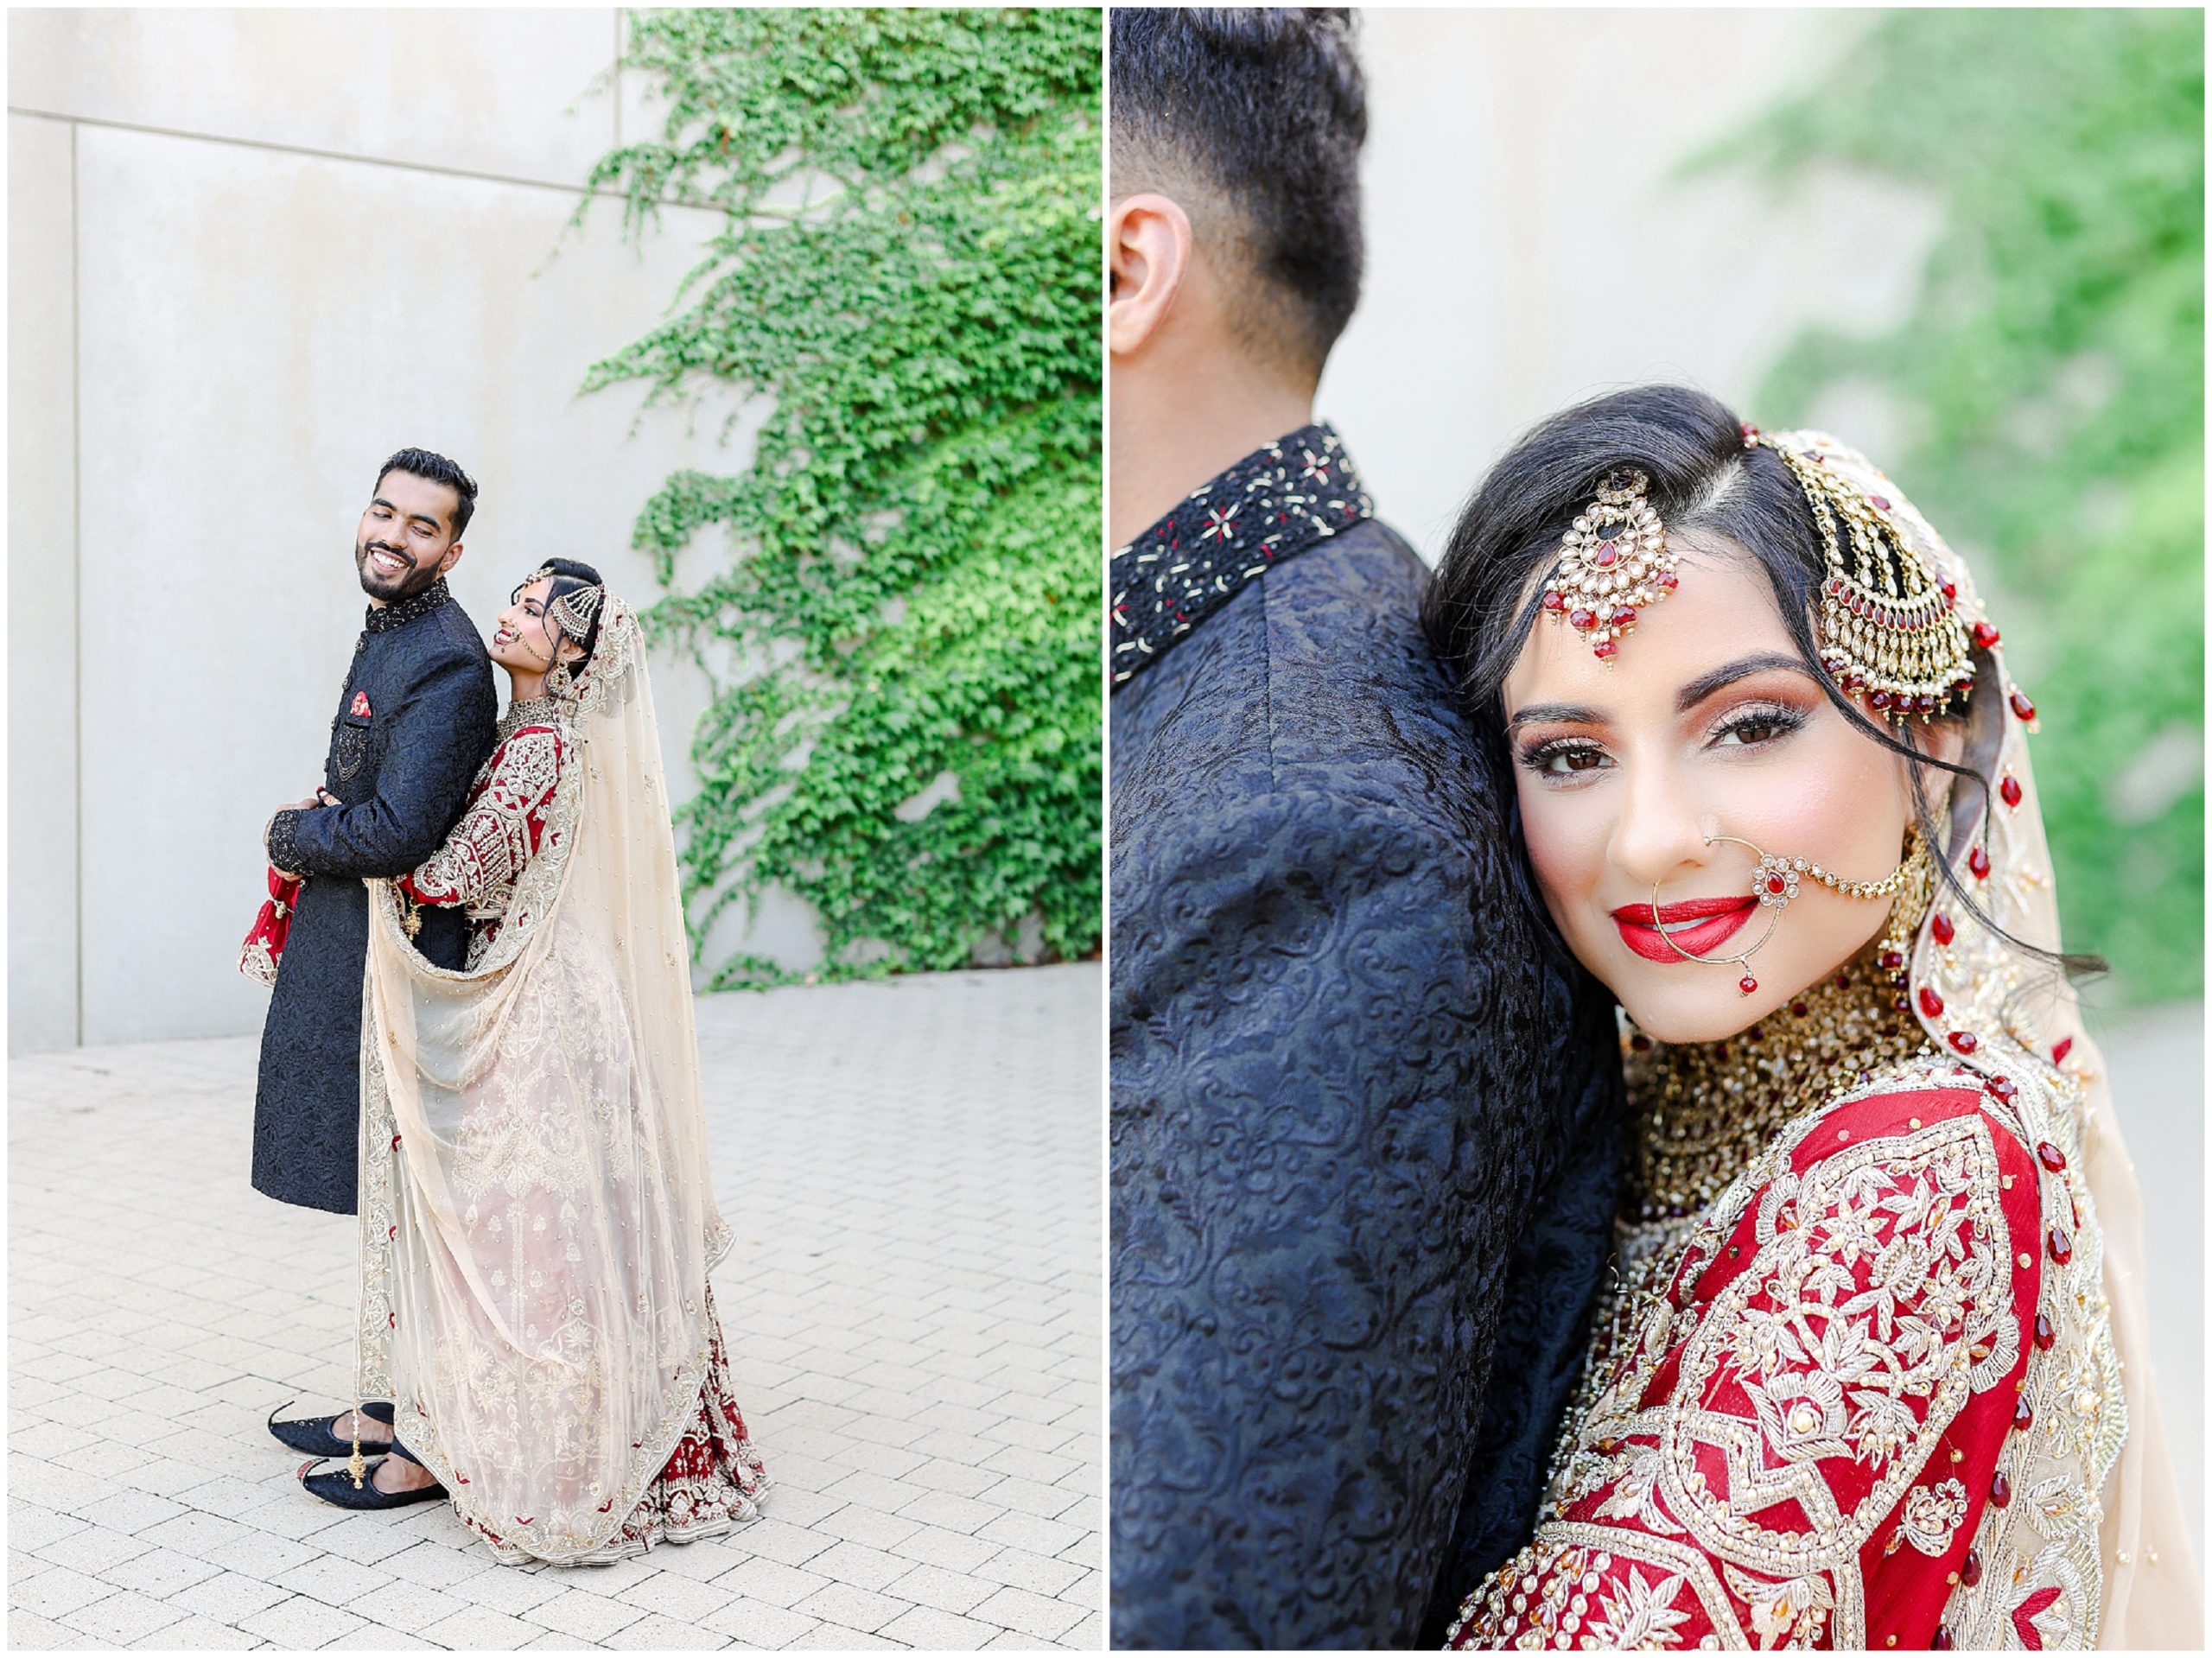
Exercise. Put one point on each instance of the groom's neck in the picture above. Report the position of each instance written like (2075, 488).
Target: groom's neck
(1173, 432)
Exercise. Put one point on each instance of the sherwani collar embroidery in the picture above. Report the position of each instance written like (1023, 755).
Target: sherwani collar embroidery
(384, 617)
(1273, 505)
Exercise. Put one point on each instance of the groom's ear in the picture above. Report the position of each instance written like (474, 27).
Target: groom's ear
(452, 558)
(1148, 254)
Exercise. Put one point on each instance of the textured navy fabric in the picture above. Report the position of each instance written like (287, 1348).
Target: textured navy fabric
(402, 770)
(1364, 1129)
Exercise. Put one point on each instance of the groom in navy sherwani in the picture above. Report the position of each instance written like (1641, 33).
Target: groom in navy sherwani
(1366, 1122)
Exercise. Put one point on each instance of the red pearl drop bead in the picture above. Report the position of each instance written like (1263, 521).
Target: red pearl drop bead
(1940, 1641)
(1950, 595)
(1984, 636)
(2062, 1247)
(2000, 1490)
(1881, 503)
(1555, 601)
(2061, 1049)
(1978, 860)
(2010, 789)
(1879, 701)
(2022, 707)
(1604, 649)
(1582, 618)
(2022, 1418)
(2051, 1156)
(2001, 1088)
(1891, 960)
(1748, 985)
(1965, 1041)
(1970, 1569)
(1623, 615)
(1942, 927)
(2044, 1334)
(1930, 1003)
(1666, 581)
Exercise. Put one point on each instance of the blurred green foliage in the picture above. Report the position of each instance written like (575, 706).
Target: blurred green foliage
(2049, 381)
(905, 583)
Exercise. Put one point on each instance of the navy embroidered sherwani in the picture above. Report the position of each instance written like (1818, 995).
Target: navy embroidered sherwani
(414, 722)
(1366, 1127)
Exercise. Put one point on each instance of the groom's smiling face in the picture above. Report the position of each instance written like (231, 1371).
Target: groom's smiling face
(406, 538)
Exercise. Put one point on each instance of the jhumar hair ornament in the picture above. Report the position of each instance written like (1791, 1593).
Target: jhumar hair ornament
(1889, 624)
(1613, 562)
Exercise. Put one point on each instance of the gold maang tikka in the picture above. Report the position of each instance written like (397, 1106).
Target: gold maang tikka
(1613, 562)
(1889, 624)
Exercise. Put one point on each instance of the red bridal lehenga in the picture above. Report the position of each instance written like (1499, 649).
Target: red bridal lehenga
(1871, 1371)
(536, 1222)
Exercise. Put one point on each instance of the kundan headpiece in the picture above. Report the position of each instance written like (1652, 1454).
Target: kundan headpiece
(1889, 623)
(1612, 562)
(574, 612)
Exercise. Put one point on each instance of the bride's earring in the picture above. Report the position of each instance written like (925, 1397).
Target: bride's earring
(1774, 883)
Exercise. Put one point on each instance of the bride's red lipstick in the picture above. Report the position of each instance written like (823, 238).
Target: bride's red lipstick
(1638, 933)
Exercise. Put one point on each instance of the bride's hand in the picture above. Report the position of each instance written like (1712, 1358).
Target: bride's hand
(324, 797)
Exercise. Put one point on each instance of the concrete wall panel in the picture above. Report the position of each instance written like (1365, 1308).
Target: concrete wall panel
(41, 591)
(478, 90)
(260, 329)
(1530, 245)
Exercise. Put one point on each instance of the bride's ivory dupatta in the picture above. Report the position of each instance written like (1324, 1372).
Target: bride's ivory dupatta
(537, 1224)
(2097, 1543)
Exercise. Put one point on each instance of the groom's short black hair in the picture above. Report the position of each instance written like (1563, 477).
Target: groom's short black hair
(1250, 118)
(425, 463)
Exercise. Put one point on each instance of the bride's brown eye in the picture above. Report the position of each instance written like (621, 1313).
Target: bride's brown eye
(1749, 727)
(1563, 759)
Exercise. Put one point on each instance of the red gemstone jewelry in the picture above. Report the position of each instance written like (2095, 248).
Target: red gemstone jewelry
(1889, 623)
(1774, 883)
(1613, 562)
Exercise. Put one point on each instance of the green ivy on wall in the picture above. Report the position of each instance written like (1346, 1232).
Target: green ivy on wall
(2049, 383)
(903, 633)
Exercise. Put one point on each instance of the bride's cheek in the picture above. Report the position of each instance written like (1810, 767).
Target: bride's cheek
(1564, 846)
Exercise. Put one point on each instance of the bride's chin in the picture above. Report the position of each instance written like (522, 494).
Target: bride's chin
(1696, 1013)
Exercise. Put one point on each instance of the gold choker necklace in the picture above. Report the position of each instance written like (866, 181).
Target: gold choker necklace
(1703, 1110)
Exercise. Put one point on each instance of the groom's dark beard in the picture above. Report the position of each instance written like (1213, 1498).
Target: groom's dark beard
(409, 581)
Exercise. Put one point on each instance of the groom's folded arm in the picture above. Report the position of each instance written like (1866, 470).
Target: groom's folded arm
(1307, 1227)
(432, 745)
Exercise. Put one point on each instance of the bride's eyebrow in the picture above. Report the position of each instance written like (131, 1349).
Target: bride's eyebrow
(1564, 713)
(1705, 684)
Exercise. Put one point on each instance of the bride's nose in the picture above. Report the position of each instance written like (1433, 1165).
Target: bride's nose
(1661, 834)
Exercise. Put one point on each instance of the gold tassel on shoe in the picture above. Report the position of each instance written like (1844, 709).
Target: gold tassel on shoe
(357, 1465)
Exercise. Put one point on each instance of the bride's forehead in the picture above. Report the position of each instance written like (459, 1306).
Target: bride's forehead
(1723, 608)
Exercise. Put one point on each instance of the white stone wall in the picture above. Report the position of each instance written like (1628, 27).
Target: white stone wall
(250, 253)
(1527, 245)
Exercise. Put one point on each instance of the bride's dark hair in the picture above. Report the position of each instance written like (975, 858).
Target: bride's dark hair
(1704, 483)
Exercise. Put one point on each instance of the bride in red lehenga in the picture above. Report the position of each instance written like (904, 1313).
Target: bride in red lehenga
(537, 1221)
(1871, 1373)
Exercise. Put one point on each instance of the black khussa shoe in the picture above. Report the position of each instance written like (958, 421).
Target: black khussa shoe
(311, 1434)
(340, 1491)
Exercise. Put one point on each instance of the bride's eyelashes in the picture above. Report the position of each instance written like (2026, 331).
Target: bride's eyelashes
(1570, 761)
(1755, 725)
(1563, 759)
